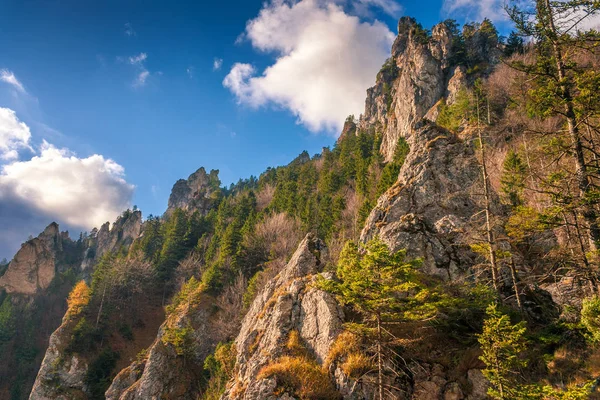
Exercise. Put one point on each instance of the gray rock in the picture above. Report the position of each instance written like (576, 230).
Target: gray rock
(288, 302)
(427, 212)
(59, 377)
(479, 385)
(195, 192)
(34, 266)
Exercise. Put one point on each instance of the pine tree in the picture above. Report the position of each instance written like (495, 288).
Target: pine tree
(514, 45)
(372, 280)
(513, 178)
(559, 83)
(174, 246)
(502, 344)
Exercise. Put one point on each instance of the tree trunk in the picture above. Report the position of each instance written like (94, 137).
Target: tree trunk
(588, 212)
(486, 194)
(513, 273)
(379, 358)
(101, 305)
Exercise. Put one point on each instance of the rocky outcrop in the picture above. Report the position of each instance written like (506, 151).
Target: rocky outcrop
(420, 82)
(423, 72)
(195, 193)
(34, 266)
(61, 376)
(123, 232)
(288, 302)
(167, 371)
(428, 211)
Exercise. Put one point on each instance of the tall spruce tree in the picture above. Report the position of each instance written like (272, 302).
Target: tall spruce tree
(559, 83)
(376, 282)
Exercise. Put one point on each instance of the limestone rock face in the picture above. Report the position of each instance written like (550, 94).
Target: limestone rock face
(165, 374)
(60, 377)
(123, 232)
(421, 73)
(195, 192)
(399, 100)
(33, 267)
(288, 302)
(427, 211)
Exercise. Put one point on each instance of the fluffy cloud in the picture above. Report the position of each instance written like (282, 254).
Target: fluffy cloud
(56, 185)
(14, 135)
(326, 59)
(10, 78)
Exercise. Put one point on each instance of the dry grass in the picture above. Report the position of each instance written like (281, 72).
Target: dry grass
(345, 343)
(252, 348)
(294, 344)
(302, 377)
(356, 365)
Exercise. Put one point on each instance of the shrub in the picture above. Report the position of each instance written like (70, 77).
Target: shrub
(220, 367)
(83, 336)
(7, 320)
(126, 331)
(590, 318)
(189, 294)
(181, 338)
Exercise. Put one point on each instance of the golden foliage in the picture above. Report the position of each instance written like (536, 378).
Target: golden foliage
(79, 298)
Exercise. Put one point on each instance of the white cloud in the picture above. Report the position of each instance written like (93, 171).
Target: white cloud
(10, 78)
(142, 73)
(129, 31)
(139, 59)
(141, 78)
(82, 192)
(217, 64)
(14, 135)
(477, 10)
(326, 59)
(54, 185)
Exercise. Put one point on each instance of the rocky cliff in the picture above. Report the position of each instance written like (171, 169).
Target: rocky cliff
(194, 193)
(422, 71)
(429, 210)
(34, 266)
(289, 303)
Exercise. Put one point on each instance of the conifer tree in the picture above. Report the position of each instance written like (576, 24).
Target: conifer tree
(372, 280)
(560, 83)
(513, 178)
(502, 344)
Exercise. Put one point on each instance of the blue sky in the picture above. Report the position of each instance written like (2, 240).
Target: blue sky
(156, 89)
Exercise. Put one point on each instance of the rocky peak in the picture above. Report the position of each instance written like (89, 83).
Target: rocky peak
(194, 193)
(417, 76)
(33, 267)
